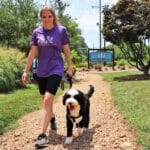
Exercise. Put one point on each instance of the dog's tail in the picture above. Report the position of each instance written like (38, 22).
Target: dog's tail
(91, 91)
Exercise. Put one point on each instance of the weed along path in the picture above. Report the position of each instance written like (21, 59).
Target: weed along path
(107, 131)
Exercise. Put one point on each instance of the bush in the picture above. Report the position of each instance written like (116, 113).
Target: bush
(17, 68)
(11, 66)
(7, 78)
(109, 64)
(121, 64)
(74, 70)
(98, 67)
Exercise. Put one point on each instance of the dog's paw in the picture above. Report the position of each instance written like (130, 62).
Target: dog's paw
(80, 131)
(85, 129)
(69, 140)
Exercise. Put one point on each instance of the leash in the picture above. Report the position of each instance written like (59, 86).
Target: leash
(67, 78)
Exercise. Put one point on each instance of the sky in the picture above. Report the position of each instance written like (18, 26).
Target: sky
(87, 18)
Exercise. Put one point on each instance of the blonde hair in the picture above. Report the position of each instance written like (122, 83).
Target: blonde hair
(49, 8)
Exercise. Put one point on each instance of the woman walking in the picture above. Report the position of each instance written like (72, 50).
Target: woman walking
(48, 40)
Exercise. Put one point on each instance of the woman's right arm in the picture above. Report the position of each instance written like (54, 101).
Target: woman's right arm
(32, 54)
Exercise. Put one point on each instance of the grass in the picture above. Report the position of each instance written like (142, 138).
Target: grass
(132, 98)
(16, 104)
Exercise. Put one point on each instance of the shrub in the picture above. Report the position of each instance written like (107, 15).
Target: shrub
(98, 67)
(74, 70)
(11, 66)
(121, 64)
(7, 78)
(109, 64)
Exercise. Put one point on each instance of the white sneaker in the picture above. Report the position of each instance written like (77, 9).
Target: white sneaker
(41, 140)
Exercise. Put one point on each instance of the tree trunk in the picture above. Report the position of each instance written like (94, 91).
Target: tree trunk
(146, 70)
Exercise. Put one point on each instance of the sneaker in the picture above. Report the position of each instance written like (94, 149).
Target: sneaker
(42, 140)
(53, 124)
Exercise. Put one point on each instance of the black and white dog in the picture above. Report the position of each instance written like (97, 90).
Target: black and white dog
(78, 108)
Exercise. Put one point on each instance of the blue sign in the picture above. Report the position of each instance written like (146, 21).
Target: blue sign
(100, 56)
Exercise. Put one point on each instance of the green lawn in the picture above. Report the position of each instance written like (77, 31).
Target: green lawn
(18, 103)
(132, 98)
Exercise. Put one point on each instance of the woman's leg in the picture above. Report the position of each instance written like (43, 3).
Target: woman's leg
(53, 115)
(47, 111)
(48, 88)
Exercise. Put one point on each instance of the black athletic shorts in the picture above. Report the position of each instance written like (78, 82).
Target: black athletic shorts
(49, 84)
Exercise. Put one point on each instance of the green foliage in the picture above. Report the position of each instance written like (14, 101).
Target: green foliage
(127, 20)
(132, 98)
(117, 51)
(7, 78)
(11, 66)
(83, 65)
(98, 66)
(77, 58)
(110, 64)
(121, 63)
(126, 24)
(18, 19)
(74, 70)
(59, 6)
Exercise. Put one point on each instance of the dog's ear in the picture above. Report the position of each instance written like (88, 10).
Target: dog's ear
(64, 98)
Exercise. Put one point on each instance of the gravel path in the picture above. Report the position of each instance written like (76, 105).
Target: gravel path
(108, 130)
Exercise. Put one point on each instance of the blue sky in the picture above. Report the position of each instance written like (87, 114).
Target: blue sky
(87, 17)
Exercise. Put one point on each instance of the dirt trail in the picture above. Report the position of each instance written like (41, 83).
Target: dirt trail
(108, 130)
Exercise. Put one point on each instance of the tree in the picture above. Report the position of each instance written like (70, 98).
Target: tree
(18, 19)
(127, 24)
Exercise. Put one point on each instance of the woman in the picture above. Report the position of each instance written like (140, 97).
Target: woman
(48, 41)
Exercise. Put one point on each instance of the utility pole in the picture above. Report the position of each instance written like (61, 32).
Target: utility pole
(100, 28)
(100, 42)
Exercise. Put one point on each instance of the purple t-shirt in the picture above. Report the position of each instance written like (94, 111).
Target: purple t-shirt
(50, 44)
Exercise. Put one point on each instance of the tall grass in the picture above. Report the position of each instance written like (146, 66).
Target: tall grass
(132, 98)
(11, 67)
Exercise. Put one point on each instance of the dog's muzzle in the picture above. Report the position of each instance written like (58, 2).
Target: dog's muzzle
(71, 106)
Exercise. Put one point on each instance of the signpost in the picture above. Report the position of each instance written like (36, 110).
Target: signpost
(100, 55)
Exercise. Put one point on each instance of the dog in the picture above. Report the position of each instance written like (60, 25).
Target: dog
(77, 111)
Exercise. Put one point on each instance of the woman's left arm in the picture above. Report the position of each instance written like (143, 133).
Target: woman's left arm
(67, 54)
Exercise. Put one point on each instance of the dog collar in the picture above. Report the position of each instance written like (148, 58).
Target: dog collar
(75, 119)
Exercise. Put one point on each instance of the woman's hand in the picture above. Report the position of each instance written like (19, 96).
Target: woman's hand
(69, 72)
(32, 54)
(24, 78)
